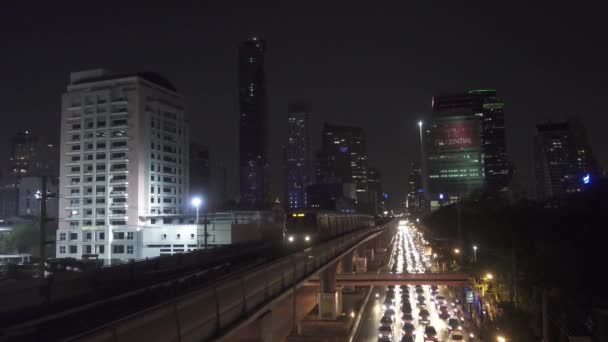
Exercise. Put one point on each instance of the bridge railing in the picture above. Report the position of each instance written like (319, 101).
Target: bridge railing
(212, 312)
(31, 293)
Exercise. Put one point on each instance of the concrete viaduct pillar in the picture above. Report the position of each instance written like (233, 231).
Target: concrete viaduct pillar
(330, 296)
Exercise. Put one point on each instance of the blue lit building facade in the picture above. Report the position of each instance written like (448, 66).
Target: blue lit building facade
(253, 125)
(298, 156)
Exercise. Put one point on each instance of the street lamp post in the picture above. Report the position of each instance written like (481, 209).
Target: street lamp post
(474, 253)
(196, 202)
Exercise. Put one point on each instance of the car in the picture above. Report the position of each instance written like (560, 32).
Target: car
(440, 300)
(454, 324)
(424, 321)
(390, 312)
(456, 335)
(407, 318)
(421, 305)
(444, 314)
(408, 328)
(421, 298)
(424, 313)
(419, 291)
(385, 331)
(430, 334)
(407, 338)
(385, 339)
(386, 321)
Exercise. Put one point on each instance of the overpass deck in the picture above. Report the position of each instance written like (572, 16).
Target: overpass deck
(375, 279)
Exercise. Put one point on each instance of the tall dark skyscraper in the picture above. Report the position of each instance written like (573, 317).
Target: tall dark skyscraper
(343, 158)
(375, 194)
(488, 107)
(415, 199)
(562, 159)
(253, 129)
(298, 155)
(200, 172)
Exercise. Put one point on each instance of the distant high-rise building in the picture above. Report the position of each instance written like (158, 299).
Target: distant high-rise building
(298, 155)
(124, 165)
(30, 193)
(343, 158)
(253, 129)
(454, 153)
(375, 195)
(200, 172)
(30, 156)
(562, 158)
(466, 147)
(415, 196)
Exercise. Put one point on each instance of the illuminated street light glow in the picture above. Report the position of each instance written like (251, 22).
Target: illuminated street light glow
(501, 339)
(474, 247)
(489, 276)
(196, 202)
(420, 123)
(456, 250)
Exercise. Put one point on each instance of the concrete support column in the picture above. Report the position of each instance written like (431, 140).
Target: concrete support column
(348, 266)
(328, 279)
(329, 298)
(347, 263)
(266, 328)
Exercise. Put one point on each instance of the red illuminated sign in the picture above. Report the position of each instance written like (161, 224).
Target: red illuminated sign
(456, 135)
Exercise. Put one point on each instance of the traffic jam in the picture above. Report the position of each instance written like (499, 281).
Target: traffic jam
(417, 313)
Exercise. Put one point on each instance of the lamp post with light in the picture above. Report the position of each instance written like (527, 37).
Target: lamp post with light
(197, 202)
(475, 253)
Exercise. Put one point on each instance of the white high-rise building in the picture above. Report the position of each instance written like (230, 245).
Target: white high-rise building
(123, 167)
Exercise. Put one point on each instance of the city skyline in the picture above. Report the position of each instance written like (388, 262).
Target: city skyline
(325, 81)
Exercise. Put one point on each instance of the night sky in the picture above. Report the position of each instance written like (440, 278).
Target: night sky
(371, 65)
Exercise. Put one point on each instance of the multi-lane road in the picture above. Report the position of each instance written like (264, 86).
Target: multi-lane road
(408, 257)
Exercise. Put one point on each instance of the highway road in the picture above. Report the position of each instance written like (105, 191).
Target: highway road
(409, 258)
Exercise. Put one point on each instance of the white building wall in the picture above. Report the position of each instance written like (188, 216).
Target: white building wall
(113, 131)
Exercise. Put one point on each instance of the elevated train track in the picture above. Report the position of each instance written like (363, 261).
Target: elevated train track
(144, 290)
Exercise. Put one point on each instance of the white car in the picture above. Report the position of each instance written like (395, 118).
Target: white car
(385, 332)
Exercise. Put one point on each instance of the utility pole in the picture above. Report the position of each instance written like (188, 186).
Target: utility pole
(545, 313)
(43, 197)
(205, 218)
(513, 277)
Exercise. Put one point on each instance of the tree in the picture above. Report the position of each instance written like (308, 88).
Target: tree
(24, 238)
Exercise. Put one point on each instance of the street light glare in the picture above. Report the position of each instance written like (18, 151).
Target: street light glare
(196, 202)
(420, 123)
(489, 276)
(475, 247)
(456, 250)
(501, 339)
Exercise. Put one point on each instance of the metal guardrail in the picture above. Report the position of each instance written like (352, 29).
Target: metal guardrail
(30, 294)
(216, 311)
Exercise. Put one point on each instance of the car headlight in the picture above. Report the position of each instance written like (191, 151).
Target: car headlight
(307, 238)
(290, 238)
(459, 327)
